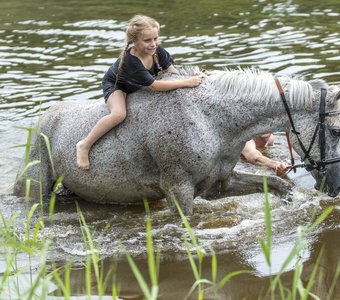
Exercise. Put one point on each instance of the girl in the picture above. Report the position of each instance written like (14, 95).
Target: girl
(137, 66)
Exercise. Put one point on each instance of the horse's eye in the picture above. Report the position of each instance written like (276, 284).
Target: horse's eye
(335, 132)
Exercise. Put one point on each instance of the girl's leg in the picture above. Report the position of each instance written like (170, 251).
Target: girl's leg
(117, 105)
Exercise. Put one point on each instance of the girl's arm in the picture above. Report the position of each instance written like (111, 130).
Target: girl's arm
(168, 85)
(172, 69)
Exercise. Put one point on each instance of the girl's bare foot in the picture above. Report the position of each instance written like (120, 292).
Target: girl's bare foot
(82, 156)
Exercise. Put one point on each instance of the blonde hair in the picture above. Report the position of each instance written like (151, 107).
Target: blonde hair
(137, 25)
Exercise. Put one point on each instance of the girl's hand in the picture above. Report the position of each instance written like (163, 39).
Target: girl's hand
(195, 81)
(207, 73)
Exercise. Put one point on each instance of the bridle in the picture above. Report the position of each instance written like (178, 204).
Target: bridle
(320, 129)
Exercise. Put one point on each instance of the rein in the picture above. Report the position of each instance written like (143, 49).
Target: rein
(321, 164)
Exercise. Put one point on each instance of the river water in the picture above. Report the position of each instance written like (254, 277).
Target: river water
(53, 51)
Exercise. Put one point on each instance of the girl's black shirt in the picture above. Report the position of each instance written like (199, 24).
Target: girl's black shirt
(133, 74)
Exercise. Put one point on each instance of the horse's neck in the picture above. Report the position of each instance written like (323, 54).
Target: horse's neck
(248, 121)
(251, 108)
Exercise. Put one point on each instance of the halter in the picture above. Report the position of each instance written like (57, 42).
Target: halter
(321, 164)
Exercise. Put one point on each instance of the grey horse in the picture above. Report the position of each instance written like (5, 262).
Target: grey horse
(178, 144)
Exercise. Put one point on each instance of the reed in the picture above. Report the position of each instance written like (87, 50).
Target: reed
(153, 263)
(197, 268)
(298, 290)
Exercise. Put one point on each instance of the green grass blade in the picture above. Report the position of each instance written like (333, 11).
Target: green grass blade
(229, 276)
(4, 222)
(94, 253)
(196, 284)
(27, 191)
(191, 260)
(38, 225)
(28, 165)
(268, 222)
(310, 284)
(88, 279)
(282, 291)
(141, 282)
(214, 268)
(151, 257)
(53, 196)
(115, 290)
(48, 146)
(292, 255)
(321, 218)
(57, 277)
(265, 250)
(296, 279)
(28, 146)
(28, 141)
(37, 282)
(18, 146)
(334, 282)
(20, 247)
(29, 217)
(187, 226)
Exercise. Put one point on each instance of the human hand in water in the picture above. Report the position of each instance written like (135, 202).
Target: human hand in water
(281, 168)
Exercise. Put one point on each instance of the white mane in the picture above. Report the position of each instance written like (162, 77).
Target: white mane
(259, 86)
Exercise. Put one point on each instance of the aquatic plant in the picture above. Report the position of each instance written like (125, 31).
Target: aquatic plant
(153, 262)
(298, 286)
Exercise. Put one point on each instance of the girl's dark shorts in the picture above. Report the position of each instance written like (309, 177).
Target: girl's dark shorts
(125, 89)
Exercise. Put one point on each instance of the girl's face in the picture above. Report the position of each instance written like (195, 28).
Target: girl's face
(147, 42)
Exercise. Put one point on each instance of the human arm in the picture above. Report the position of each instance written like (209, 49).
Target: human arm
(167, 63)
(172, 69)
(168, 85)
(252, 155)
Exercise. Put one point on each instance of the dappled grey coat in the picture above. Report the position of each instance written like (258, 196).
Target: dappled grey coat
(176, 144)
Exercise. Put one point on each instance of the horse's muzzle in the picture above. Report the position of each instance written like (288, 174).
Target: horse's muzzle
(334, 193)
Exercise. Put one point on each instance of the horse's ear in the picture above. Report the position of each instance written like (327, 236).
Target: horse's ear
(318, 84)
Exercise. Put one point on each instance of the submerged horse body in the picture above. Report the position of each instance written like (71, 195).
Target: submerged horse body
(178, 144)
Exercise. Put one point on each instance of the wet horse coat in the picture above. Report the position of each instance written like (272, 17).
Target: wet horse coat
(176, 144)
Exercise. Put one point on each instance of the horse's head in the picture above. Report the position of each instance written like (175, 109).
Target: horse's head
(316, 131)
(320, 136)
(328, 176)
